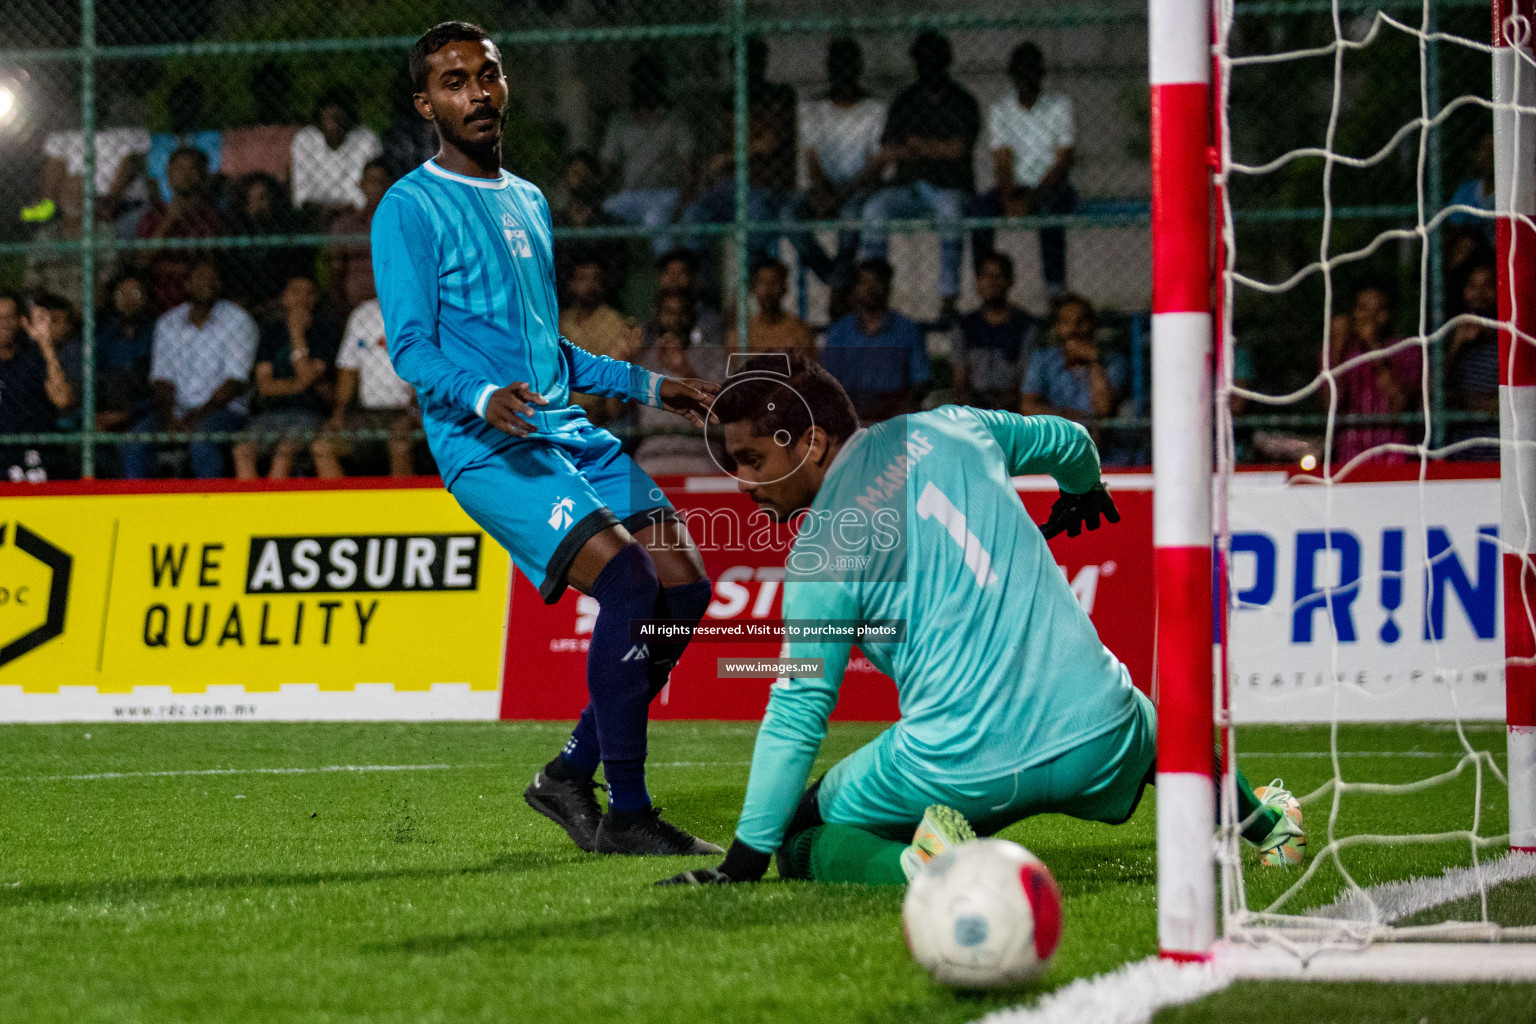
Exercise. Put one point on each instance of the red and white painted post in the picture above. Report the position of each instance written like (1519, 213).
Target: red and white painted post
(1180, 60)
(1514, 141)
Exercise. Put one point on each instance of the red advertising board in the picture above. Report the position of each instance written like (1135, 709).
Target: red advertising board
(545, 671)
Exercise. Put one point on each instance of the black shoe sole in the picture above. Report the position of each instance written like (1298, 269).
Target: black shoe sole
(549, 812)
(614, 849)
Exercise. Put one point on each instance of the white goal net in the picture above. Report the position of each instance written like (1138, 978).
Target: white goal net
(1366, 262)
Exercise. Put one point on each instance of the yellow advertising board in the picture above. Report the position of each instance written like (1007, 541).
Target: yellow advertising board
(300, 603)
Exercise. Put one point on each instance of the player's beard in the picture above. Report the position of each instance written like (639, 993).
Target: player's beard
(480, 149)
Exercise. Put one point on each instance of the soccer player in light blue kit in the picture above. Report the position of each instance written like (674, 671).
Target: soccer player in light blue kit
(463, 260)
(1010, 703)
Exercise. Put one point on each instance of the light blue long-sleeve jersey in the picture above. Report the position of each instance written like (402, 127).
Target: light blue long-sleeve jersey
(1001, 669)
(466, 280)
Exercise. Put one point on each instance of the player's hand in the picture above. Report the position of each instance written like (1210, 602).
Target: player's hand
(506, 408)
(1074, 511)
(699, 876)
(689, 397)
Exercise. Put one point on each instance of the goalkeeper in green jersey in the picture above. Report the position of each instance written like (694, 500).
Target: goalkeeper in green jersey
(1010, 704)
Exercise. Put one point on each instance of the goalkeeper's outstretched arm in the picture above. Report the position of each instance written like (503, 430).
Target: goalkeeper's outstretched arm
(1050, 444)
(1044, 444)
(791, 734)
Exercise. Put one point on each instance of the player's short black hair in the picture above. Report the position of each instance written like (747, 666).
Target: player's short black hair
(648, 80)
(340, 97)
(1061, 302)
(845, 55)
(434, 39)
(586, 158)
(881, 269)
(769, 263)
(1384, 285)
(755, 393)
(999, 259)
(1026, 61)
(931, 51)
(682, 254)
(198, 157)
(52, 301)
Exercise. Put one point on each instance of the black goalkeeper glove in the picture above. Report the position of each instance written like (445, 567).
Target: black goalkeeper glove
(1074, 511)
(741, 864)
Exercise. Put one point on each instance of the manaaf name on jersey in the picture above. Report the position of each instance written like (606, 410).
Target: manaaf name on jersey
(893, 478)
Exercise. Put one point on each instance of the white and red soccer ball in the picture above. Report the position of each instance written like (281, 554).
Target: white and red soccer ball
(985, 914)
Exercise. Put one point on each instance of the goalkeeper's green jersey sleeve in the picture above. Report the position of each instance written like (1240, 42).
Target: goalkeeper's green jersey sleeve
(1000, 669)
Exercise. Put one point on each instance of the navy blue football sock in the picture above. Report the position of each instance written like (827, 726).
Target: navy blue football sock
(580, 757)
(685, 601)
(626, 589)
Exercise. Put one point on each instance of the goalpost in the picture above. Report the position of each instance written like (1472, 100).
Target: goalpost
(1203, 913)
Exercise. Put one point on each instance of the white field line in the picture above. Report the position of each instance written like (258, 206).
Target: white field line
(1356, 753)
(1134, 993)
(191, 772)
(103, 776)
(195, 772)
(1397, 900)
(1131, 994)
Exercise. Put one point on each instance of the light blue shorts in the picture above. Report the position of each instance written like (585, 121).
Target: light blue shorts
(545, 496)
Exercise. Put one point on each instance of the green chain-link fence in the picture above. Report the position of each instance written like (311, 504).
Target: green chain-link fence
(185, 194)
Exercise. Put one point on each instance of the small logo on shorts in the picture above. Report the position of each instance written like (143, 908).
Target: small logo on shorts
(637, 652)
(560, 514)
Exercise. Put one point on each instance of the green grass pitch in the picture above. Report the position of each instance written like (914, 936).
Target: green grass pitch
(221, 890)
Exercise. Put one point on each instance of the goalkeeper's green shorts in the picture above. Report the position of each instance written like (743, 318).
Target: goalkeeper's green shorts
(1101, 780)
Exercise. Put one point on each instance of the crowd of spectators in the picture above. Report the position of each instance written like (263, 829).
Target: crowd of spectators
(276, 340)
(282, 341)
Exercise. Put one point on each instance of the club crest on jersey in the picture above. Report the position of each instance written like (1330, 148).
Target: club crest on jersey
(517, 238)
(560, 514)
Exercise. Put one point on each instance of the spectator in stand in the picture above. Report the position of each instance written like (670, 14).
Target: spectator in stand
(33, 391)
(122, 186)
(1073, 377)
(771, 157)
(649, 150)
(993, 344)
(840, 135)
(583, 208)
(189, 214)
(929, 136)
(184, 107)
(125, 332)
(771, 329)
(1381, 386)
(329, 157)
(53, 323)
(364, 372)
(1034, 139)
(410, 140)
(265, 145)
(598, 328)
(200, 364)
(1469, 238)
(293, 392)
(1472, 364)
(57, 270)
(669, 450)
(352, 263)
(257, 274)
(678, 271)
(879, 356)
